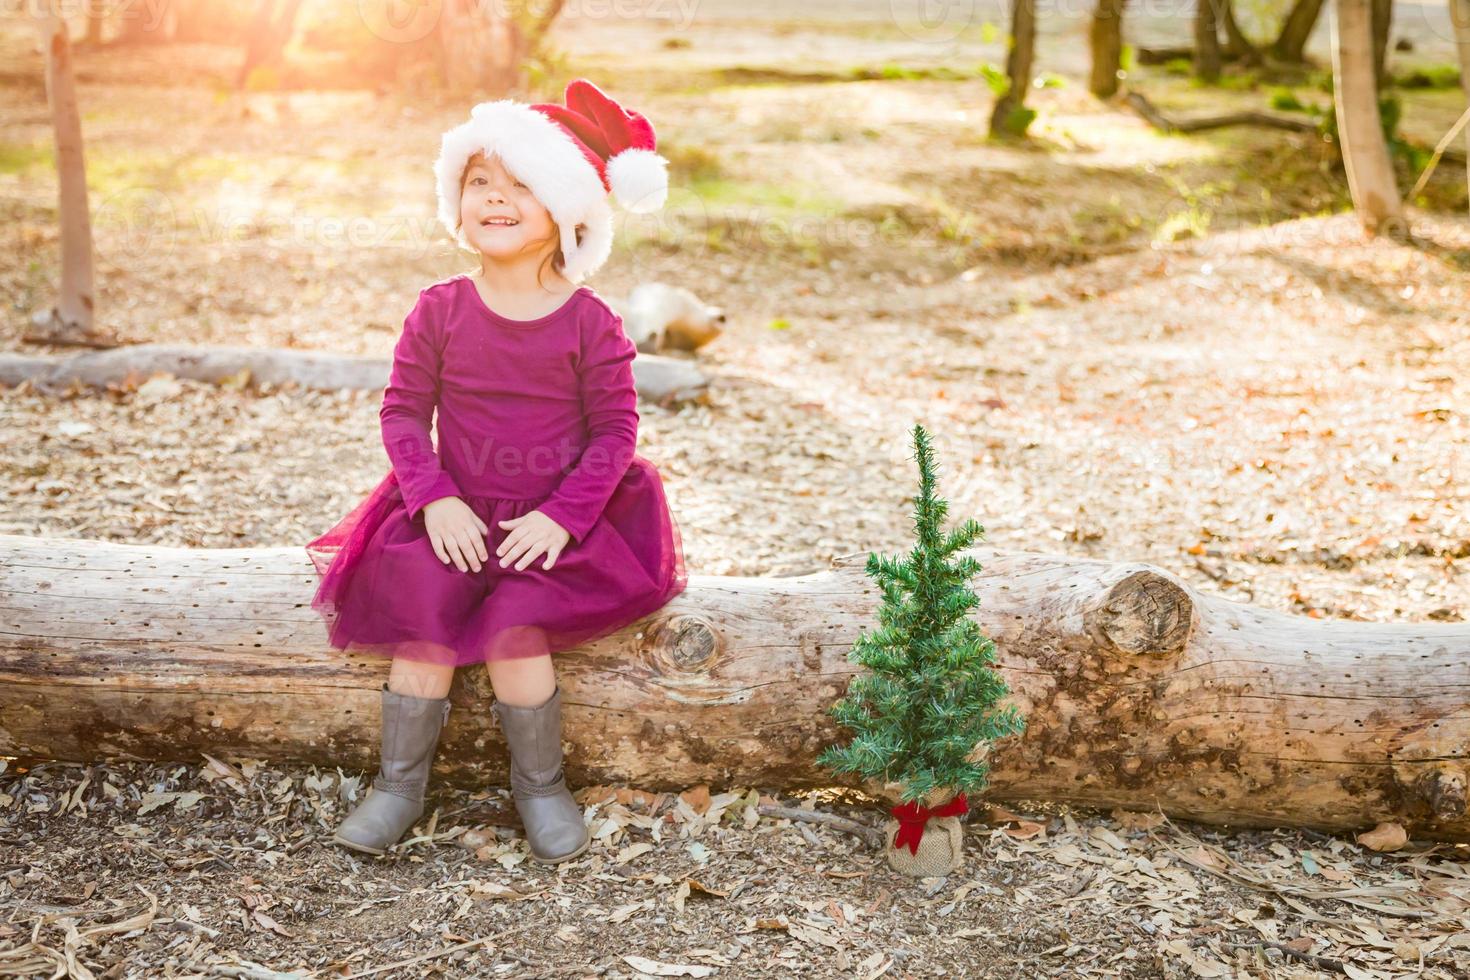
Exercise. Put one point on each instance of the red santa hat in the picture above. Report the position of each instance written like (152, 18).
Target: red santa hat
(570, 156)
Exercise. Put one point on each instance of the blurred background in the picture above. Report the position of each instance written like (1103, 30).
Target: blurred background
(1126, 339)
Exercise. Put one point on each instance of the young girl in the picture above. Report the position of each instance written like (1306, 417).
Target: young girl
(534, 526)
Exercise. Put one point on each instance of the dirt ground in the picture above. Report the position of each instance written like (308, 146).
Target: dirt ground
(1126, 345)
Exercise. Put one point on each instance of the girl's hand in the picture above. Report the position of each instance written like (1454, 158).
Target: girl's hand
(534, 533)
(456, 533)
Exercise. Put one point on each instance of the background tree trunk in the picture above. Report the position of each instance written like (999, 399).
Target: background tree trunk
(95, 23)
(479, 48)
(1382, 24)
(1207, 40)
(1360, 130)
(1460, 17)
(1006, 119)
(1291, 43)
(1106, 39)
(269, 32)
(1237, 46)
(147, 23)
(1139, 691)
(71, 318)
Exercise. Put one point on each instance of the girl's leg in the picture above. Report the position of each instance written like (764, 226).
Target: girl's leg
(420, 679)
(527, 681)
(528, 704)
(414, 709)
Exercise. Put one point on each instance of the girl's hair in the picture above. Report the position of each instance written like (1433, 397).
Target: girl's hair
(557, 259)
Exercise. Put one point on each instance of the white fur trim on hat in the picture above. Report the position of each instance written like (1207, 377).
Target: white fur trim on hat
(543, 156)
(597, 236)
(639, 179)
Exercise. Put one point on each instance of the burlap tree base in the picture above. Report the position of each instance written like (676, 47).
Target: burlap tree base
(941, 849)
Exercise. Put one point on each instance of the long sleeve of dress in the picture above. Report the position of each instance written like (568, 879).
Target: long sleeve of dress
(610, 408)
(408, 409)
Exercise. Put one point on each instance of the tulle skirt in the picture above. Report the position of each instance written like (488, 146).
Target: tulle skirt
(383, 591)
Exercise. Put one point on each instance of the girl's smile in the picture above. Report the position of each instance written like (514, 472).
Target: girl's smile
(503, 219)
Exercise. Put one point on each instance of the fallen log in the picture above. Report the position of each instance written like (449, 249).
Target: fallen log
(1140, 690)
(659, 378)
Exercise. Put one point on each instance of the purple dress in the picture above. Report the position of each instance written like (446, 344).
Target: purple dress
(532, 415)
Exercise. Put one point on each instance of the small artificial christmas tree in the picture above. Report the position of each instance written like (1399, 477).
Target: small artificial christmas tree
(927, 713)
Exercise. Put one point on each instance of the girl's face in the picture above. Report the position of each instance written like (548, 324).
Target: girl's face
(501, 218)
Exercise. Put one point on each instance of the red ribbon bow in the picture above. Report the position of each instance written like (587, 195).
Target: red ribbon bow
(912, 817)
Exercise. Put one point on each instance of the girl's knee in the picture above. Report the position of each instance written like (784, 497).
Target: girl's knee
(522, 680)
(420, 678)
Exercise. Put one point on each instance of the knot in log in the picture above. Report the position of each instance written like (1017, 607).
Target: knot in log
(1444, 790)
(1146, 612)
(683, 644)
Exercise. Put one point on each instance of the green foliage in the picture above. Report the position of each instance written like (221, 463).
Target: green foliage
(1390, 112)
(1285, 100)
(689, 162)
(1429, 76)
(16, 158)
(930, 696)
(1017, 120)
(1239, 81)
(996, 78)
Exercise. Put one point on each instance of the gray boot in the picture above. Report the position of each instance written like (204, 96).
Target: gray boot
(552, 819)
(395, 802)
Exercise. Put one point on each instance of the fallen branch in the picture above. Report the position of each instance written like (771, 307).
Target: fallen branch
(1155, 117)
(423, 957)
(659, 378)
(1439, 153)
(871, 835)
(1320, 962)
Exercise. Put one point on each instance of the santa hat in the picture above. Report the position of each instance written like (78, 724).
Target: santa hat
(570, 156)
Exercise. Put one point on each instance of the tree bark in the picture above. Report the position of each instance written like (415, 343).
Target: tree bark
(1207, 40)
(1238, 46)
(1005, 118)
(486, 49)
(1382, 23)
(1139, 690)
(1460, 18)
(147, 23)
(1291, 43)
(270, 30)
(1105, 37)
(95, 23)
(1359, 127)
(70, 319)
(660, 379)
